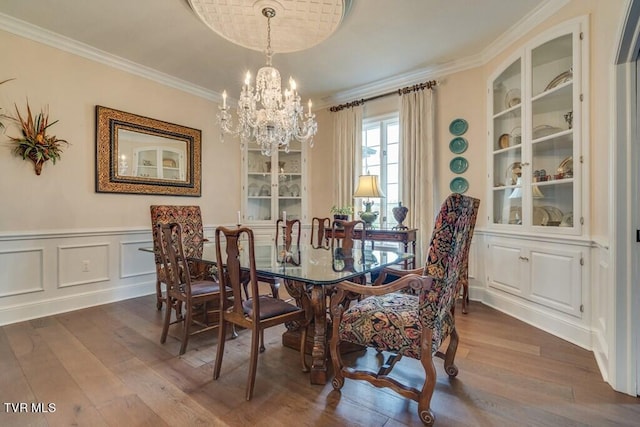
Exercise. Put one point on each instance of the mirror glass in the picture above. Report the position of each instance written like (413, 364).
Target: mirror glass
(136, 154)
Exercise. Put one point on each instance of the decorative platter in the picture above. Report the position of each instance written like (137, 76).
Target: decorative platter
(512, 98)
(458, 164)
(504, 140)
(540, 216)
(566, 167)
(559, 79)
(458, 145)
(458, 127)
(459, 185)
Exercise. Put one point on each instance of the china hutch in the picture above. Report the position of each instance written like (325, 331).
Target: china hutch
(537, 197)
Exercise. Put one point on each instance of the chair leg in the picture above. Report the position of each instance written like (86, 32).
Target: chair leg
(185, 328)
(262, 347)
(222, 334)
(159, 297)
(449, 359)
(167, 322)
(334, 350)
(424, 399)
(253, 363)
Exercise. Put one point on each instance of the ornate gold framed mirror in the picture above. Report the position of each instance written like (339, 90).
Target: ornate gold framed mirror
(140, 155)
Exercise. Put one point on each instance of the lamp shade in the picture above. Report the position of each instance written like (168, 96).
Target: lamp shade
(368, 187)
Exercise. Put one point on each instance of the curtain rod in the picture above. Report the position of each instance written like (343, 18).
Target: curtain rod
(405, 90)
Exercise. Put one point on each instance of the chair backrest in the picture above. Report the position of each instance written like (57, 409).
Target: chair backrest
(232, 275)
(291, 229)
(173, 259)
(322, 224)
(447, 255)
(190, 220)
(343, 234)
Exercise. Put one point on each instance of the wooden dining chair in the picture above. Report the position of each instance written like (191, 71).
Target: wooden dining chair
(318, 230)
(255, 312)
(200, 299)
(291, 230)
(190, 220)
(412, 316)
(343, 238)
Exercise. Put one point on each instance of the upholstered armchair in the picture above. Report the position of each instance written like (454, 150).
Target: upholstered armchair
(190, 220)
(412, 316)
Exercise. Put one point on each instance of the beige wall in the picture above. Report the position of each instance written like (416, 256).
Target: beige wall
(64, 197)
(463, 95)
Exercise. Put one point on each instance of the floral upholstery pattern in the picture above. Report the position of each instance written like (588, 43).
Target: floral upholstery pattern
(394, 322)
(190, 220)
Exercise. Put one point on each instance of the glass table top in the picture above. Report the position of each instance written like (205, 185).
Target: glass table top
(314, 266)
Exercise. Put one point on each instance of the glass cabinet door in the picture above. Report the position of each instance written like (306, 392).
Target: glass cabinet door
(274, 185)
(290, 181)
(536, 103)
(507, 145)
(259, 186)
(551, 175)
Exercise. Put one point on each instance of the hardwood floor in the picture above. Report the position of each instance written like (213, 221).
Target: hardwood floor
(105, 366)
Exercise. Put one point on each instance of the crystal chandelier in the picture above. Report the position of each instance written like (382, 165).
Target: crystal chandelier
(281, 116)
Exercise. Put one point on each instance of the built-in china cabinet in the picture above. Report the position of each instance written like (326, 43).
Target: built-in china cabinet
(537, 142)
(273, 185)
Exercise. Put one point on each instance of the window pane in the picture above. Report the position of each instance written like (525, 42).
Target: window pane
(393, 133)
(393, 153)
(392, 174)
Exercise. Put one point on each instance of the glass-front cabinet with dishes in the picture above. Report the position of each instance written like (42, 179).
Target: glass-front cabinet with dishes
(157, 162)
(273, 185)
(537, 107)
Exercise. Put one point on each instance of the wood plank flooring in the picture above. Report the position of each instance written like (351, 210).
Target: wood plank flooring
(105, 366)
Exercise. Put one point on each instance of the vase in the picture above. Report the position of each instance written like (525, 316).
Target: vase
(400, 213)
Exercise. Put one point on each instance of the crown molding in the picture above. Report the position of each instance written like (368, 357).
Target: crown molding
(541, 13)
(33, 32)
(526, 24)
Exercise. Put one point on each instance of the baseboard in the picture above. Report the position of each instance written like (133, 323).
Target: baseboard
(34, 310)
(557, 324)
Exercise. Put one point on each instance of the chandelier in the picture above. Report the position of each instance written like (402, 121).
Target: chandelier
(266, 115)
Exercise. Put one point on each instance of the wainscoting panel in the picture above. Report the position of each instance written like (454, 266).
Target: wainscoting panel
(53, 272)
(134, 262)
(603, 292)
(22, 271)
(83, 264)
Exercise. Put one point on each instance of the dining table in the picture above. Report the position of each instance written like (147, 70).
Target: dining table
(309, 272)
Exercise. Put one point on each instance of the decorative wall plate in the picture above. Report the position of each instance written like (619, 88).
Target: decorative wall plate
(459, 185)
(458, 145)
(458, 127)
(458, 164)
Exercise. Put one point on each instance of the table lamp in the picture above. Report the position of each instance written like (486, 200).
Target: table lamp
(368, 187)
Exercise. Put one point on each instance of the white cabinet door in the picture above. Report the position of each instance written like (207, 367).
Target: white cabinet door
(549, 274)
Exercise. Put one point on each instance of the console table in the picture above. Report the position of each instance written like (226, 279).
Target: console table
(407, 237)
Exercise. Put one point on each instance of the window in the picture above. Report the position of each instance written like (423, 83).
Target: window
(381, 156)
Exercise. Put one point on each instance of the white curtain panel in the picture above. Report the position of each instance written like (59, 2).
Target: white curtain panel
(347, 125)
(417, 117)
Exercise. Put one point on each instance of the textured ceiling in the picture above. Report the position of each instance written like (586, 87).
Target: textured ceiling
(377, 42)
(297, 24)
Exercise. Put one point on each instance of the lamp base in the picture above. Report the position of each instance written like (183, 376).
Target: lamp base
(368, 216)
